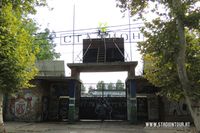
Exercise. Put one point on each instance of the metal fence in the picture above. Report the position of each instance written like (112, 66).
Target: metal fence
(102, 89)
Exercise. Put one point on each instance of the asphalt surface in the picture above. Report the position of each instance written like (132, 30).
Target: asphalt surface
(88, 127)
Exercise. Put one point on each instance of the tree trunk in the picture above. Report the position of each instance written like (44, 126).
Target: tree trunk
(2, 129)
(194, 112)
(182, 69)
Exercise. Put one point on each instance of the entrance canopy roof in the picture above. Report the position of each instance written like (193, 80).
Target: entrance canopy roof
(102, 67)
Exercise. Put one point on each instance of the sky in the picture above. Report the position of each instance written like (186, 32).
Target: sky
(87, 15)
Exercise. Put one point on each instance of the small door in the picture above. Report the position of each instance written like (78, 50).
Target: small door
(142, 109)
(63, 108)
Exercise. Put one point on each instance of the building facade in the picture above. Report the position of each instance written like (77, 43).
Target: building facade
(58, 98)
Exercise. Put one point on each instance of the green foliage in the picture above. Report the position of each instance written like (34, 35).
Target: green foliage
(162, 45)
(193, 62)
(17, 49)
(160, 54)
(160, 65)
(83, 89)
(46, 46)
(24, 7)
(111, 86)
(101, 85)
(90, 89)
(119, 85)
(43, 41)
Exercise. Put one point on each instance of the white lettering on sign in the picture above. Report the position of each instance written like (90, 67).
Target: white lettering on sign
(67, 39)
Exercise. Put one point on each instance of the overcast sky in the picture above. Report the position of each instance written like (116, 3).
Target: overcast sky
(88, 13)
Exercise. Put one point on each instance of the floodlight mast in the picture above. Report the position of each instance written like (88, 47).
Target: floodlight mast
(73, 31)
(129, 17)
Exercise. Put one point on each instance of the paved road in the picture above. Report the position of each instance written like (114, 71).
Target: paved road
(87, 127)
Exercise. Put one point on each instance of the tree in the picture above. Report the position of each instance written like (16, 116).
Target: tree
(90, 88)
(162, 72)
(111, 86)
(44, 40)
(172, 48)
(101, 85)
(119, 85)
(83, 89)
(17, 49)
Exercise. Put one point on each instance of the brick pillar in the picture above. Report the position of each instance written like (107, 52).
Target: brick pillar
(131, 101)
(71, 111)
(75, 73)
(131, 72)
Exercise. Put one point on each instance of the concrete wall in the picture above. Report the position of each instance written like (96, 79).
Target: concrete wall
(43, 102)
(27, 105)
(51, 68)
(33, 104)
(161, 108)
(175, 110)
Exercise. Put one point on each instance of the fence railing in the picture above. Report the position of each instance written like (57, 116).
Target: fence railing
(103, 89)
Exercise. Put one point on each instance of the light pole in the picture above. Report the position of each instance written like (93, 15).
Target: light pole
(129, 18)
(73, 31)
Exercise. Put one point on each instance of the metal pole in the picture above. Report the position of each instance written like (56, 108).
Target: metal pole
(102, 90)
(130, 33)
(73, 32)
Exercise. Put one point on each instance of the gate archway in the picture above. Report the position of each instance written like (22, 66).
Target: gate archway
(77, 68)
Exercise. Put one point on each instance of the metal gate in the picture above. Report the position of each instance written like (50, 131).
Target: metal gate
(116, 108)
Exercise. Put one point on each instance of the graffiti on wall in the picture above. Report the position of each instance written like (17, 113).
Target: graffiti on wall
(20, 107)
(178, 108)
(23, 107)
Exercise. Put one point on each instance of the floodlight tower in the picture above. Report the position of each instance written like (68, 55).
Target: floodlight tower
(74, 9)
(129, 19)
